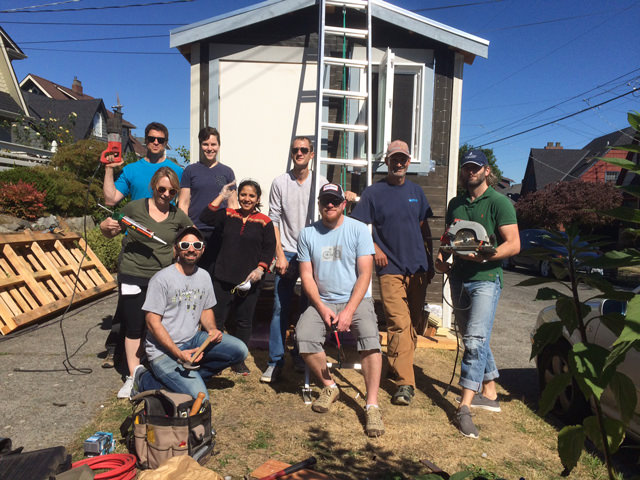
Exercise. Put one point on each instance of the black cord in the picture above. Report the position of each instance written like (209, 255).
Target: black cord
(69, 367)
(455, 331)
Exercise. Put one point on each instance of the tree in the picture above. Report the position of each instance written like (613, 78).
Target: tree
(566, 203)
(82, 158)
(488, 152)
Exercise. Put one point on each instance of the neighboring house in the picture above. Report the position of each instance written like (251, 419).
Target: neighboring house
(506, 187)
(48, 99)
(557, 164)
(12, 103)
(254, 76)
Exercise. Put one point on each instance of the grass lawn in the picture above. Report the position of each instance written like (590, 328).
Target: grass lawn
(255, 422)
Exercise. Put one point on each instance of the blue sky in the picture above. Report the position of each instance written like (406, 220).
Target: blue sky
(547, 59)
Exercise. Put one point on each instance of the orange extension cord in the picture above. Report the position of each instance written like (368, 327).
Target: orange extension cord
(120, 466)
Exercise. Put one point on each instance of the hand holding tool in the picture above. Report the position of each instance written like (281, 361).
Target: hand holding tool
(128, 222)
(113, 153)
(189, 365)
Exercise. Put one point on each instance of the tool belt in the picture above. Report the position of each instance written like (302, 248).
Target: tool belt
(160, 428)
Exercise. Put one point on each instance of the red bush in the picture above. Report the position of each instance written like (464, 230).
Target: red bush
(22, 200)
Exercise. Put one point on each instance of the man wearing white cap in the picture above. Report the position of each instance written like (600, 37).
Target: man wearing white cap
(398, 210)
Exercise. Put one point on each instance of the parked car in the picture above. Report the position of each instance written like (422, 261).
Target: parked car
(536, 238)
(571, 406)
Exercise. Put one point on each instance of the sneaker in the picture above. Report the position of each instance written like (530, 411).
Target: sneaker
(125, 390)
(328, 395)
(137, 375)
(271, 374)
(480, 401)
(464, 422)
(403, 395)
(241, 369)
(375, 427)
(109, 361)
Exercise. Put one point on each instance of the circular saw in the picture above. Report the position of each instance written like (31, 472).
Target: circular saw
(465, 237)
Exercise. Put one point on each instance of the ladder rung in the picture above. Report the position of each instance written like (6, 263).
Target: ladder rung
(356, 4)
(348, 62)
(344, 127)
(344, 94)
(348, 32)
(352, 162)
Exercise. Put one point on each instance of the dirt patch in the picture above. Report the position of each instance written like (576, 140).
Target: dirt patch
(255, 422)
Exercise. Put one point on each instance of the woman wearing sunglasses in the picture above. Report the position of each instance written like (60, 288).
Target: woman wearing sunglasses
(200, 182)
(141, 257)
(248, 245)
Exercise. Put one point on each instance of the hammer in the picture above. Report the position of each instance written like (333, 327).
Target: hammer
(189, 365)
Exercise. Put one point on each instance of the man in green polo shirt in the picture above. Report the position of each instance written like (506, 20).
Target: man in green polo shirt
(476, 282)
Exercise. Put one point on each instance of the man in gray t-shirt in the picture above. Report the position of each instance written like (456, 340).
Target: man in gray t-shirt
(179, 301)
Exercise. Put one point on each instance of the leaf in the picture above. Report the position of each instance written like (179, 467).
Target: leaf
(614, 430)
(549, 294)
(431, 476)
(621, 162)
(546, 334)
(533, 281)
(566, 310)
(634, 120)
(551, 392)
(461, 475)
(631, 189)
(631, 330)
(624, 392)
(614, 322)
(570, 444)
(586, 361)
(627, 214)
(617, 258)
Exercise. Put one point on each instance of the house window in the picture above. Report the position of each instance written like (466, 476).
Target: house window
(610, 176)
(97, 128)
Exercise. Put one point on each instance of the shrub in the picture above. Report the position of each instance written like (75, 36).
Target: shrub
(22, 200)
(81, 158)
(66, 195)
(107, 249)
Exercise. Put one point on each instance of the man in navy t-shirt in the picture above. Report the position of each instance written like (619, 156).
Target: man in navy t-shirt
(398, 210)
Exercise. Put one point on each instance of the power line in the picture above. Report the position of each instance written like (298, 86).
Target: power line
(98, 51)
(102, 24)
(521, 119)
(106, 7)
(558, 119)
(446, 7)
(94, 39)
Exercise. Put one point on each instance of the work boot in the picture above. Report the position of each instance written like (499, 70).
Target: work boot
(403, 395)
(109, 361)
(328, 395)
(374, 427)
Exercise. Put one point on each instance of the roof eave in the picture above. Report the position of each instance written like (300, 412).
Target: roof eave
(180, 37)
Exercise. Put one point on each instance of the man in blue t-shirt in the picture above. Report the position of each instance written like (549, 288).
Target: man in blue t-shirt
(398, 210)
(335, 256)
(135, 177)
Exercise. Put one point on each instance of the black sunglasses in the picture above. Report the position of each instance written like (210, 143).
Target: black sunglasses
(335, 201)
(185, 245)
(172, 191)
(160, 140)
(304, 150)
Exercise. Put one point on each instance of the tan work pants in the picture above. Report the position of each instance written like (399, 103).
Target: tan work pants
(403, 299)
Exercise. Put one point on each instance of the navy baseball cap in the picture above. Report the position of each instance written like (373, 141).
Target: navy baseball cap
(331, 190)
(193, 230)
(476, 157)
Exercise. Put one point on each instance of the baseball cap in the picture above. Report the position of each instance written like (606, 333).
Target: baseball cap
(331, 190)
(398, 146)
(189, 230)
(475, 156)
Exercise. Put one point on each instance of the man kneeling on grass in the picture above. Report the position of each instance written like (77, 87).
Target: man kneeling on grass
(179, 301)
(336, 261)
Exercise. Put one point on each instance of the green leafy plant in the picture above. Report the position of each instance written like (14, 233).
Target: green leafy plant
(41, 132)
(22, 200)
(591, 367)
(107, 249)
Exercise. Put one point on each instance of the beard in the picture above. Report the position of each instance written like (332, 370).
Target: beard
(472, 182)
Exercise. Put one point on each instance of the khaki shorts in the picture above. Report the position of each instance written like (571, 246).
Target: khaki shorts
(311, 331)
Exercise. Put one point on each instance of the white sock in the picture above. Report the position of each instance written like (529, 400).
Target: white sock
(333, 385)
(370, 405)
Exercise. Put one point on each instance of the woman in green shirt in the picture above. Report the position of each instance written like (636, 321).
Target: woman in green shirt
(141, 257)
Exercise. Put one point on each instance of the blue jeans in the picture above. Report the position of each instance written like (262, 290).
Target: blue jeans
(475, 308)
(175, 378)
(282, 294)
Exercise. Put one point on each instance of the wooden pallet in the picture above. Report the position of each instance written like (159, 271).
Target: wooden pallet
(38, 274)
